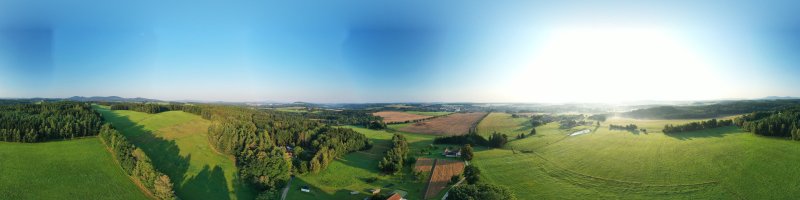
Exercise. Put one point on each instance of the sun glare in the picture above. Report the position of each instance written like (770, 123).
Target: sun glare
(613, 64)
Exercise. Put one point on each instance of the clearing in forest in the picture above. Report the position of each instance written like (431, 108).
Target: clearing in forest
(454, 124)
(70, 169)
(177, 142)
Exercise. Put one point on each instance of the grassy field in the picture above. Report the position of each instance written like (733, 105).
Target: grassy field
(177, 143)
(71, 169)
(722, 163)
(429, 113)
(504, 123)
(350, 172)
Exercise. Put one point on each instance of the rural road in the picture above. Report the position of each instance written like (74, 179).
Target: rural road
(286, 189)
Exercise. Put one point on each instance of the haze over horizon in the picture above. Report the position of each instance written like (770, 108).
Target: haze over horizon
(616, 51)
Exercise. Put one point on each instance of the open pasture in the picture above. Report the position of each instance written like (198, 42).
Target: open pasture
(504, 123)
(70, 169)
(721, 163)
(454, 124)
(177, 142)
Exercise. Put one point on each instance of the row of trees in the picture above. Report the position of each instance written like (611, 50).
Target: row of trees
(781, 123)
(37, 122)
(629, 127)
(696, 126)
(395, 157)
(137, 164)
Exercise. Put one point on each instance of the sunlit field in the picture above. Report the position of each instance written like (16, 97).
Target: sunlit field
(72, 169)
(721, 163)
(505, 124)
(178, 145)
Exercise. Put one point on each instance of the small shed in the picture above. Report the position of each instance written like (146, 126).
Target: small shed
(305, 189)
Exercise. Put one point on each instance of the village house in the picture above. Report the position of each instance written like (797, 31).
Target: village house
(451, 153)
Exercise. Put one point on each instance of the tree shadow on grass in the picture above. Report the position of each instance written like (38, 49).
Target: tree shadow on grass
(165, 154)
(208, 184)
(708, 133)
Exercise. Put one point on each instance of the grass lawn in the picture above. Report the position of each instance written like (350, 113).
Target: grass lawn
(349, 173)
(429, 113)
(722, 163)
(71, 169)
(178, 145)
(504, 123)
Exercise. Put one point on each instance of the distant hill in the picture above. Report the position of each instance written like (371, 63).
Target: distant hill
(708, 111)
(779, 97)
(112, 99)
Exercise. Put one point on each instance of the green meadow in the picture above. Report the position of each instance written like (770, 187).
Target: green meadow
(721, 163)
(350, 173)
(504, 123)
(70, 169)
(178, 145)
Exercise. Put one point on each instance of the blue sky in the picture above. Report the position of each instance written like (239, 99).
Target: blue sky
(513, 51)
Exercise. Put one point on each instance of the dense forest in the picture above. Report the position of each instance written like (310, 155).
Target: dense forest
(137, 164)
(709, 111)
(395, 157)
(781, 123)
(696, 126)
(43, 121)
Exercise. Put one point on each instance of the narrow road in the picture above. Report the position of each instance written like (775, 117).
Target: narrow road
(286, 189)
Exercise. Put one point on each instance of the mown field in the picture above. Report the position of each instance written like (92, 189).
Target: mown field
(505, 124)
(177, 143)
(722, 163)
(428, 113)
(454, 124)
(71, 169)
(396, 116)
(350, 172)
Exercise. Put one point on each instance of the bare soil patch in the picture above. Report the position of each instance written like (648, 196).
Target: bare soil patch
(444, 170)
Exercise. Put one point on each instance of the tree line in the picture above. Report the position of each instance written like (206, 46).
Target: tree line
(696, 126)
(395, 157)
(137, 164)
(629, 127)
(780, 123)
(37, 122)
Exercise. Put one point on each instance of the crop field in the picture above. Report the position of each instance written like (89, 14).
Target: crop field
(505, 124)
(350, 173)
(454, 124)
(423, 165)
(428, 113)
(721, 163)
(177, 143)
(395, 116)
(442, 172)
(71, 169)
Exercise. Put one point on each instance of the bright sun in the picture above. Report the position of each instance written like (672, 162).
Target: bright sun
(614, 64)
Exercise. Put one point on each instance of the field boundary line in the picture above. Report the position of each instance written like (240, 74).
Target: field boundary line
(430, 178)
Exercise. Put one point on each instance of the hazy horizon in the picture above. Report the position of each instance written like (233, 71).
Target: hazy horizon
(531, 52)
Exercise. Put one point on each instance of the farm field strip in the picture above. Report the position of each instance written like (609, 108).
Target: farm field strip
(504, 123)
(454, 124)
(399, 117)
(443, 170)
